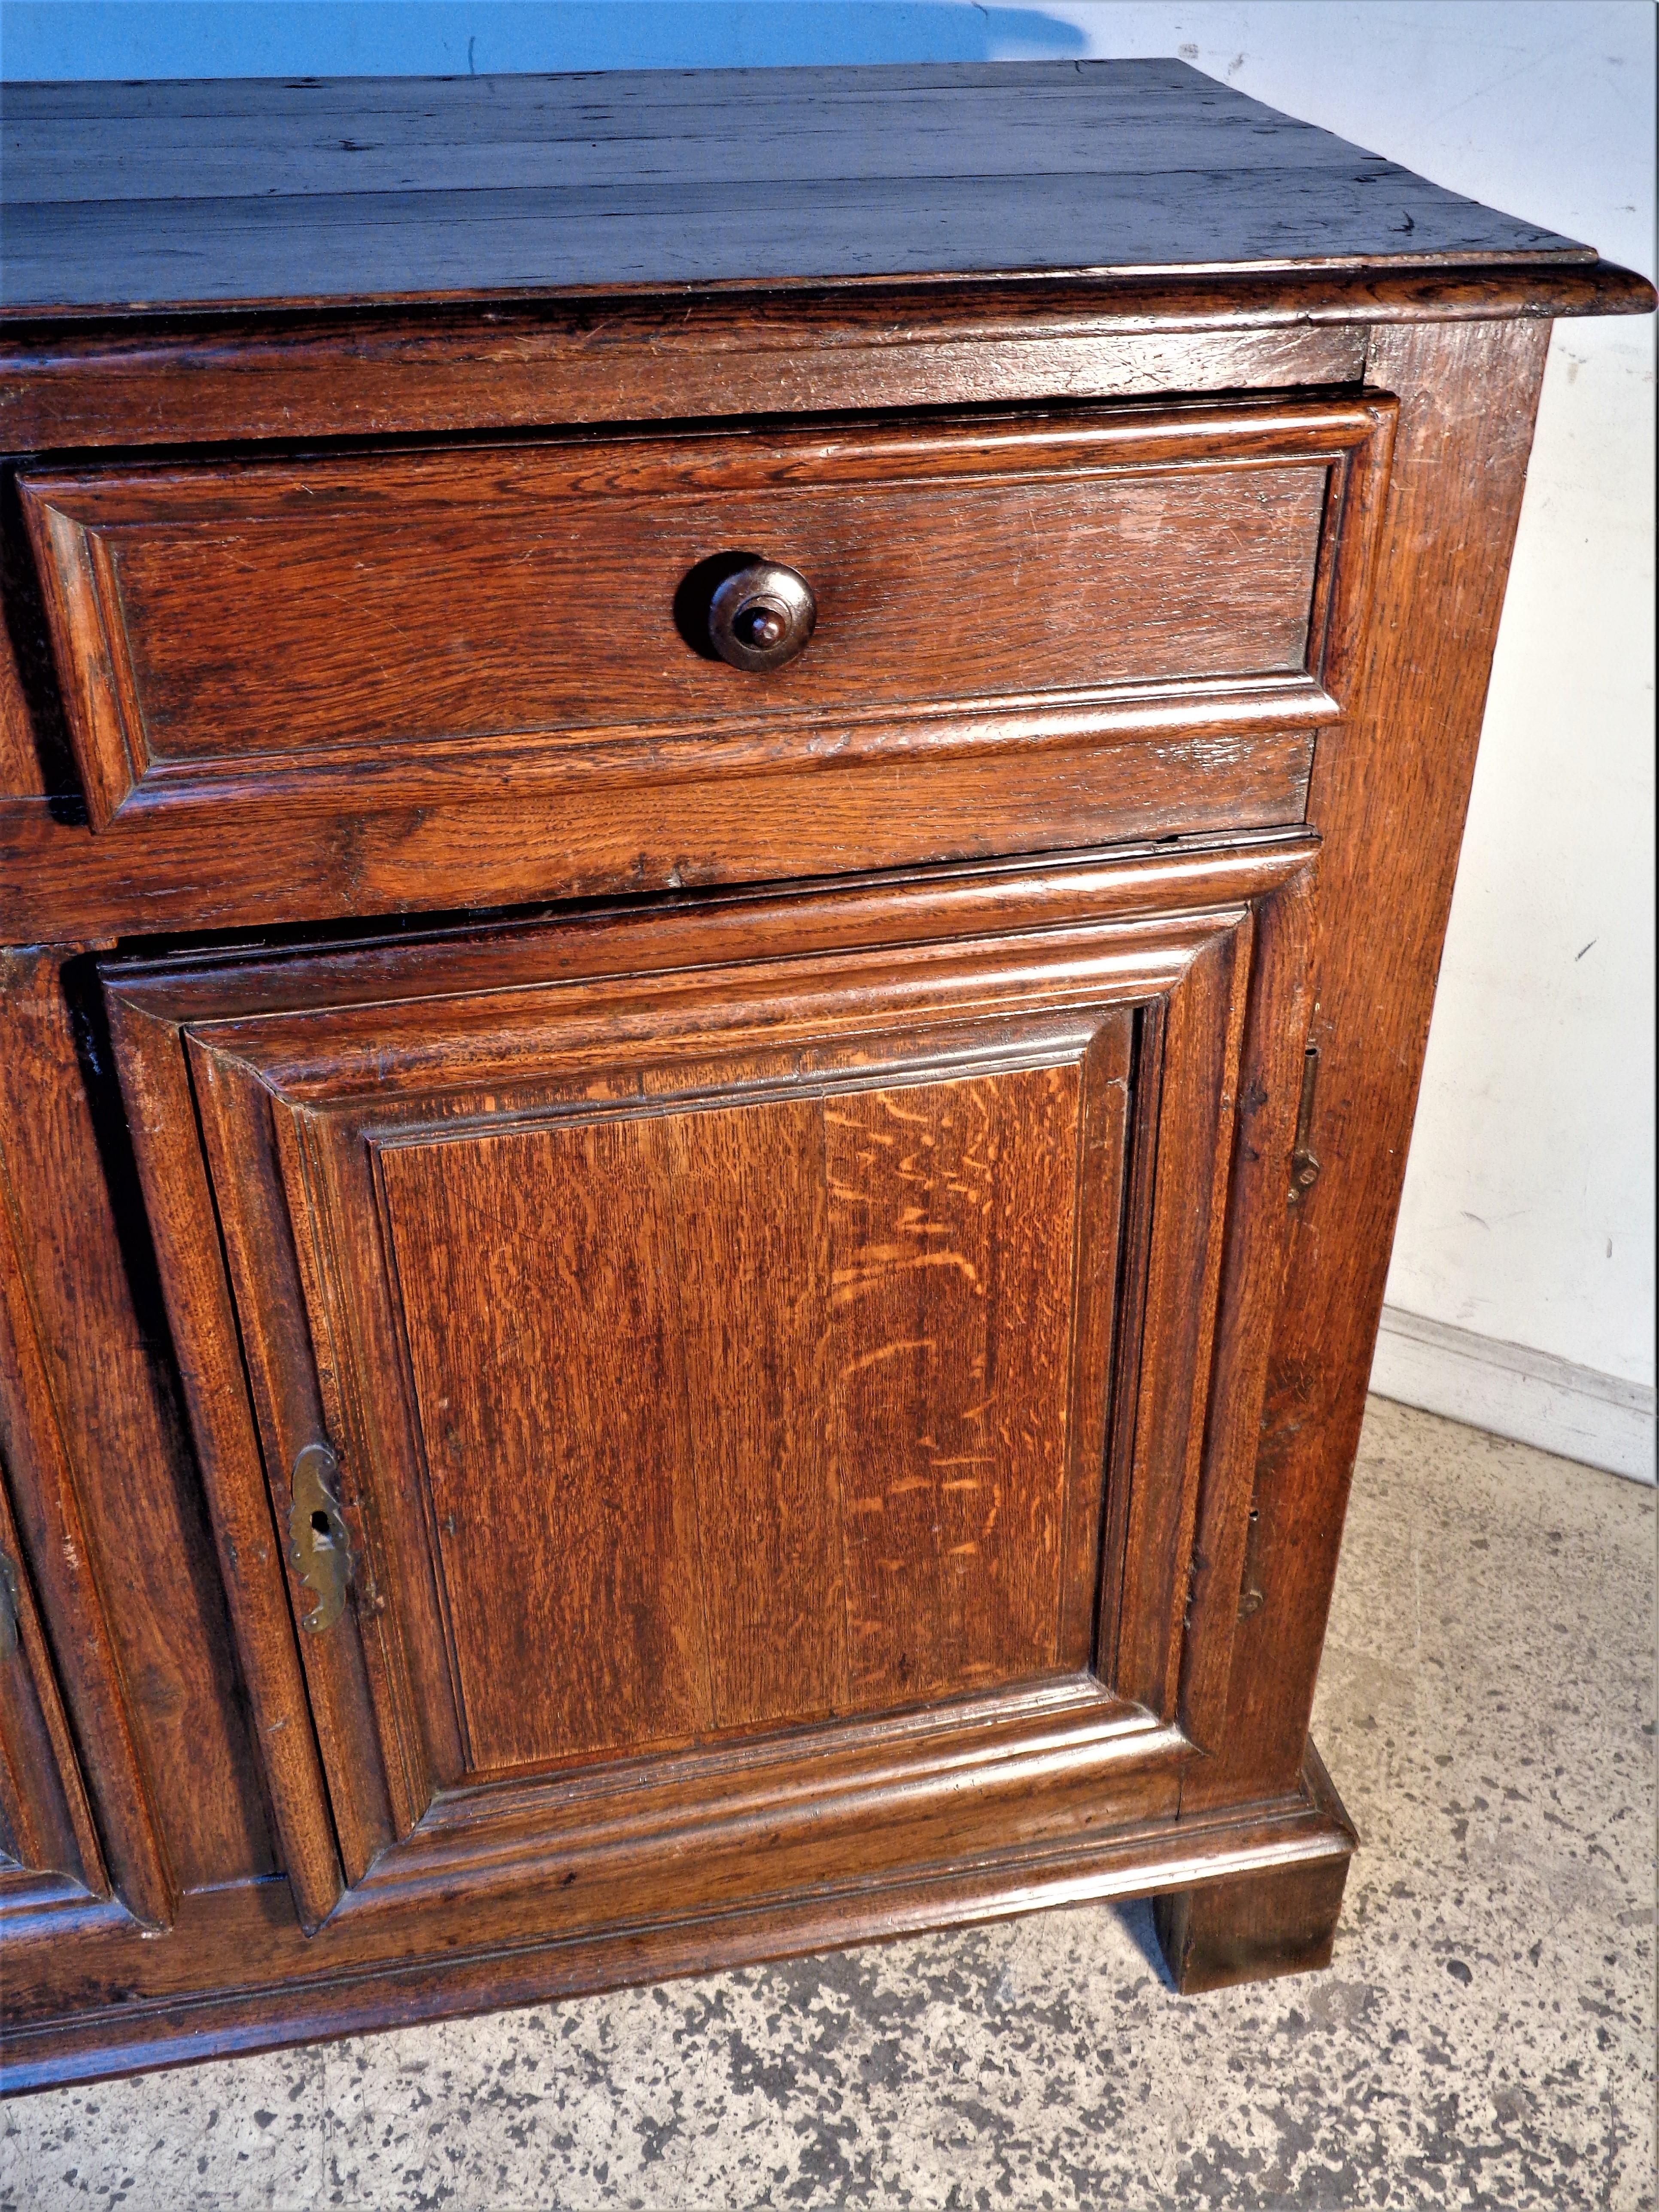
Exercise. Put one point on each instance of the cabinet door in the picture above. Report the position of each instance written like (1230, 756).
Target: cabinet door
(697, 1351)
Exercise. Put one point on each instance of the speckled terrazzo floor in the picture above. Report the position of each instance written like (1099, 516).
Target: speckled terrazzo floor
(1485, 2037)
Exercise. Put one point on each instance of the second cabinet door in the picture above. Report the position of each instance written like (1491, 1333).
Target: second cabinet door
(763, 1330)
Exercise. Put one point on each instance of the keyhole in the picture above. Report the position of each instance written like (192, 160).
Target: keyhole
(319, 1522)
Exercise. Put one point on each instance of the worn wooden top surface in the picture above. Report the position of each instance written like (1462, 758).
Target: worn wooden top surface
(264, 192)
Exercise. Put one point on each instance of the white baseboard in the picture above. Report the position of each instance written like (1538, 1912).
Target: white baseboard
(1513, 1391)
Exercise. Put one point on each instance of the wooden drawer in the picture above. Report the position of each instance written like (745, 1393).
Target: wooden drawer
(493, 619)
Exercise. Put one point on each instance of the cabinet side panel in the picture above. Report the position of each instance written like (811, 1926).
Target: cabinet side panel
(1390, 790)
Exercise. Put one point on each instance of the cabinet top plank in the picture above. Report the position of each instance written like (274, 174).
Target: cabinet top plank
(268, 193)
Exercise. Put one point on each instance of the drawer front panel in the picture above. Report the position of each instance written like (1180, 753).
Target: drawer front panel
(771, 1331)
(434, 621)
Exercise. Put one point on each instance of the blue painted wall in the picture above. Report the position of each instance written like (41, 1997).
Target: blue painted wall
(82, 39)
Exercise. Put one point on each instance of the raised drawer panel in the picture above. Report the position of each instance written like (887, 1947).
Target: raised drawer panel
(429, 622)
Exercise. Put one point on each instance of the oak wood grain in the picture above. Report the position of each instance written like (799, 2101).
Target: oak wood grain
(93, 1289)
(1253, 1926)
(538, 1035)
(433, 621)
(385, 370)
(538, 1286)
(56, 1555)
(526, 1102)
(161, 877)
(951, 1230)
(1277, 1023)
(751, 1206)
(645, 362)
(286, 1993)
(45, 1823)
(178, 1204)
(290, 1378)
(1191, 1145)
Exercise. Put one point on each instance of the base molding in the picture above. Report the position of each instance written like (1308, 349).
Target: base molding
(1307, 1837)
(1513, 1391)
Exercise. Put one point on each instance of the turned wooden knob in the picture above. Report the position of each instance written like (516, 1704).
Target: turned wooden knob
(761, 616)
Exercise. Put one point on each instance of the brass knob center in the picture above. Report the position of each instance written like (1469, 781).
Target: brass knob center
(761, 616)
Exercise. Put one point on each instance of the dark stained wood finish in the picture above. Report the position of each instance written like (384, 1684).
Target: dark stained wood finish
(1277, 1024)
(1390, 794)
(157, 875)
(374, 374)
(838, 1427)
(433, 623)
(289, 1990)
(643, 362)
(1251, 1927)
(85, 1256)
(56, 1555)
(463, 189)
(179, 1208)
(47, 1840)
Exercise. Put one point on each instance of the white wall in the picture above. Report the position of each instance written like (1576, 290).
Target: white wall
(1521, 1294)
(1528, 1226)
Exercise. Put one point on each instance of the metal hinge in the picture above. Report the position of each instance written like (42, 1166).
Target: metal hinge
(1304, 1161)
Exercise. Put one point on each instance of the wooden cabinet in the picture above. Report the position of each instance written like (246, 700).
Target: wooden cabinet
(678, 1298)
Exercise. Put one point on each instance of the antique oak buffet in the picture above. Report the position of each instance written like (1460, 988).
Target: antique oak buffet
(726, 805)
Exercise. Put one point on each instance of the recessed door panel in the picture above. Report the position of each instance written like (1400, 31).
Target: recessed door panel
(744, 1413)
(540, 1297)
(952, 1220)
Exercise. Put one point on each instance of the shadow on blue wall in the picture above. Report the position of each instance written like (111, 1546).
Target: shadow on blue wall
(84, 39)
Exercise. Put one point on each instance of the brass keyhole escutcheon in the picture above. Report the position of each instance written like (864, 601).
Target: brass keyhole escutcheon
(319, 1544)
